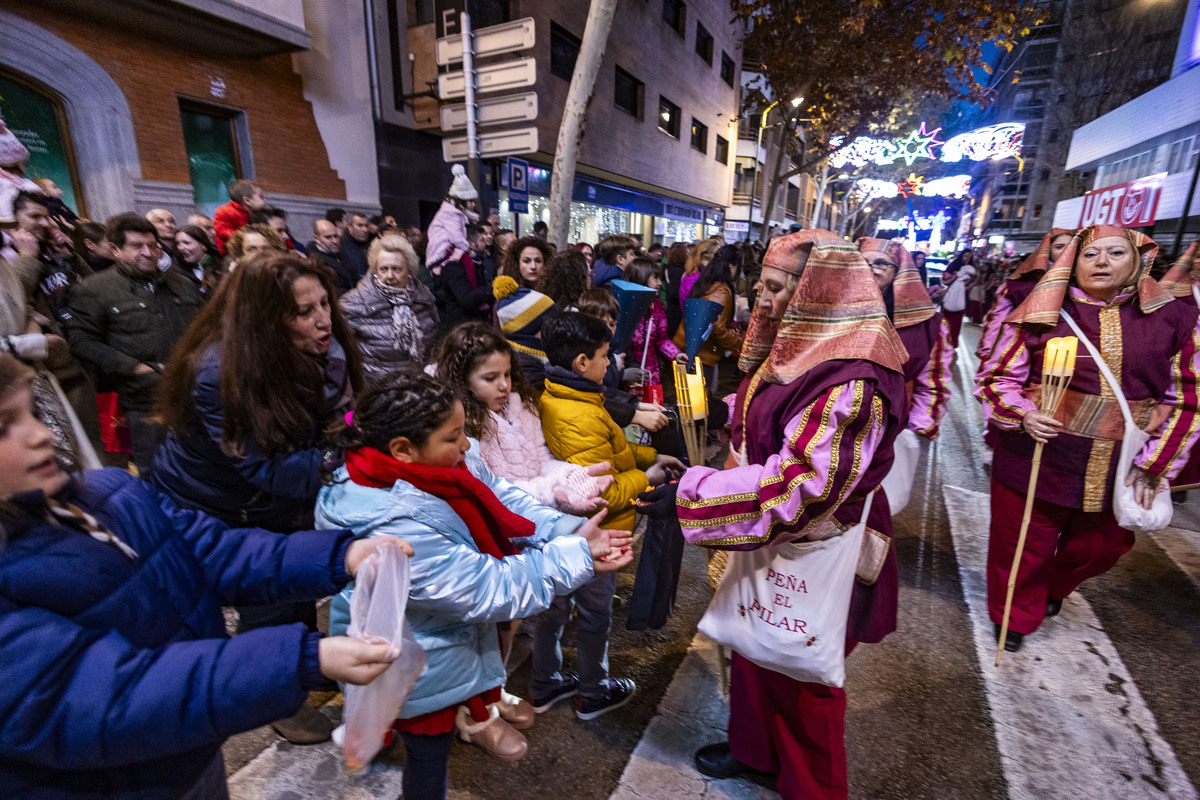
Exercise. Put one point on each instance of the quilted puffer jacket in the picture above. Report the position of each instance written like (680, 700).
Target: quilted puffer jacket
(116, 677)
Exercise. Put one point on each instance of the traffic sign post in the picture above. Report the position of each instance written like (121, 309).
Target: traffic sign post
(518, 186)
(474, 79)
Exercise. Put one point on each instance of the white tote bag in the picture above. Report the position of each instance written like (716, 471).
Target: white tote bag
(899, 481)
(785, 607)
(1129, 512)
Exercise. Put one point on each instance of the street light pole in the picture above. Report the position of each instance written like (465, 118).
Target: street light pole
(762, 123)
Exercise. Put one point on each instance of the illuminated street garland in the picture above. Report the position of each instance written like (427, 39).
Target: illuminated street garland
(949, 186)
(994, 142)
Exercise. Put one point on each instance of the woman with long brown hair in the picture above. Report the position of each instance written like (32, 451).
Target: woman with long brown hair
(526, 260)
(264, 369)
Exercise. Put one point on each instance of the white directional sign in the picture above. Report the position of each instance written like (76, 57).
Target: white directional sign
(492, 78)
(493, 145)
(508, 37)
(493, 111)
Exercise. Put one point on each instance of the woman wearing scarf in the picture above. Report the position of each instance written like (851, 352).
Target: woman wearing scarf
(959, 276)
(814, 422)
(921, 328)
(1150, 344)
(264, 369)
(393, 315)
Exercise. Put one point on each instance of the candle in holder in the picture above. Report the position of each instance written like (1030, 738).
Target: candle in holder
(696, 395)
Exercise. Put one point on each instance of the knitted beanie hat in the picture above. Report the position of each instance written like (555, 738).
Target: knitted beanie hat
(520, 311)
(461, 187)
(12, 152)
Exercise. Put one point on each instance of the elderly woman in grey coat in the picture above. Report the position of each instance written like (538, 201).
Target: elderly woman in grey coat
(392, 313)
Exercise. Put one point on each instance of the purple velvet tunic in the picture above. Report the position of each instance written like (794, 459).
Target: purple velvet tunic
(814, 448)
(1155, 357)
(927, 373)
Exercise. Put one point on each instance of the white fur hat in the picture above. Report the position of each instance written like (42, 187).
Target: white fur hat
(461, 187)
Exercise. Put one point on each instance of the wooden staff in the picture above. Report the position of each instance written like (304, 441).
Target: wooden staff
(1058, 366)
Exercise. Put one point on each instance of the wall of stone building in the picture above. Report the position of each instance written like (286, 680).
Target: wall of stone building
(286, 155)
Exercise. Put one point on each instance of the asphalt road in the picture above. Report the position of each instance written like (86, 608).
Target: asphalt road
(1101, 703)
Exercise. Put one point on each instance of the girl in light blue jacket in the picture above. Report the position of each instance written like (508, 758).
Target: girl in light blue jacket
(484, 553)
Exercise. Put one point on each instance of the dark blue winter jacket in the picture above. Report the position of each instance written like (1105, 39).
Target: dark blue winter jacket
(604, 273)
(274, 492)
(116, 676)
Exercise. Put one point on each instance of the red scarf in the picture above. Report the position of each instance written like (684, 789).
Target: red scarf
(491, 524)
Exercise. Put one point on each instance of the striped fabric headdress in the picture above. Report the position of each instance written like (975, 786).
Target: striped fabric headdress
(1046, 299)
(1039, 261)
(836, 311)
(1178, 279)
(910, 301)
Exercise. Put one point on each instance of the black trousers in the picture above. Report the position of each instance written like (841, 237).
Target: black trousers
(426, 765)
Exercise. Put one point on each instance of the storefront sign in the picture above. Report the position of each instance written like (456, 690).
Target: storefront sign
(1131, 205)
(737, 227)
(682, 212)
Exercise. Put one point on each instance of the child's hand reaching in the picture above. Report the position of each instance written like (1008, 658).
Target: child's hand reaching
(611, 549)
(359, 549)
(580, 489)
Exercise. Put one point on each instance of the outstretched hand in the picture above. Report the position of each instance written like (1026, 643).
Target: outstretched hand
(360, 549)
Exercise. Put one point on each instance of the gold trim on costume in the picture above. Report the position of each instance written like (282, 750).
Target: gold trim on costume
(1095, 480)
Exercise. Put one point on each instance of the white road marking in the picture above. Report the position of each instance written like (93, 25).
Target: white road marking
(1069, 720)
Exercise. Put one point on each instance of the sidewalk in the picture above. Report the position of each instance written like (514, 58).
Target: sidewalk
(693, 713)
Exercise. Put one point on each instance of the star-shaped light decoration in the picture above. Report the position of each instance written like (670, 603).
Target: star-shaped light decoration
(912, 186)
(918, 144)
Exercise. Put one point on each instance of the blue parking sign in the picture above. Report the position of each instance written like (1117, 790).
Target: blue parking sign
(518, 186)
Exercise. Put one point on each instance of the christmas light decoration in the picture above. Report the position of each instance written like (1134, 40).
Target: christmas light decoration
(862, 151)
(869, 189)
(917, 144)
(949, 186)
(913, 185)
(995, 142)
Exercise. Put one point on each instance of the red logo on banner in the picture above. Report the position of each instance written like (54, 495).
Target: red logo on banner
(1129, 205)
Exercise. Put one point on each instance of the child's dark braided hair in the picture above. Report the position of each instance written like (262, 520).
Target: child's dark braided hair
(408, 404)
(463, 350)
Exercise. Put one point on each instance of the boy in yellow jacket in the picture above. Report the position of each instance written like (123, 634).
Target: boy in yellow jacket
(579, 430)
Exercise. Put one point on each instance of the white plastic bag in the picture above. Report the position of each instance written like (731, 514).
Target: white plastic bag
(786, 607)
(377, 615)
(899, 481)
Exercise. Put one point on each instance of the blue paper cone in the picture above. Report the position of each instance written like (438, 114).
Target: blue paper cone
(635, 300)
(698, 316)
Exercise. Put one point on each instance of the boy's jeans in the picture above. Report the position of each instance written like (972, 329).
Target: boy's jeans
(594, 601)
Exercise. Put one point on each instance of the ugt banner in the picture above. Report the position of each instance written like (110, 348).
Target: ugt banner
(1129, 205)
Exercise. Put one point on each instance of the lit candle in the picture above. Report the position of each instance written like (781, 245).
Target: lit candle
(1072, 345)
(696, 394)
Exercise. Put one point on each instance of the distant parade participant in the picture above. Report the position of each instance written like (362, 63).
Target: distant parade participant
(820, 409)
(921, 328)
(1179, 280)
(1150, 344)
(1020, 283)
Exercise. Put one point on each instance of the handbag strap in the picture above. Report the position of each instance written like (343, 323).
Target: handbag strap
(1196, 293)
(1104, 370)
(867, 506)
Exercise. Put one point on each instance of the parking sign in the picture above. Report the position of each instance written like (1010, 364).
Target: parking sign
(518, 186)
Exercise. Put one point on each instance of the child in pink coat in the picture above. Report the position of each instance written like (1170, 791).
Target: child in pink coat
(650, 337)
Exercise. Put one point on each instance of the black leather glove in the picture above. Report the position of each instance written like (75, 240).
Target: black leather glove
(659, 502)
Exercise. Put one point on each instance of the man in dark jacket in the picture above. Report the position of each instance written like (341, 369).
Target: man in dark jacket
(355, 242)
(324, 246)
(464, 288)
(126, 320)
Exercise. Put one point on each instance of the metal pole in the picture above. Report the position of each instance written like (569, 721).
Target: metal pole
(757, 147)
(1187, 206)
(469, 79)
